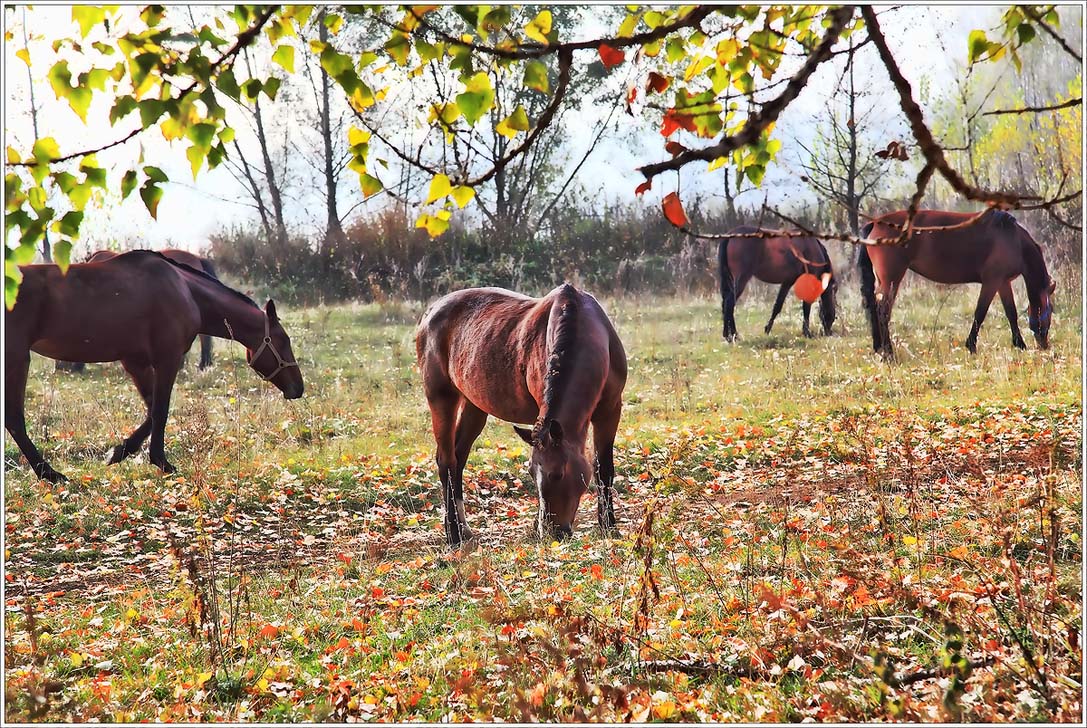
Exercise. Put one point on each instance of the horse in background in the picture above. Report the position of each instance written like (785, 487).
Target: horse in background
(144, 310)
(554, 361)
(181, 256)
(773, 259)
(993, 251)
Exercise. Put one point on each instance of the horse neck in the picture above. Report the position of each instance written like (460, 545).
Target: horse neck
(562, 368)
(226, 315)
(1036, 275)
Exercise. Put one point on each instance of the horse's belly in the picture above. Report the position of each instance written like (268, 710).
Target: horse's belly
(509, 403)
(84, 349)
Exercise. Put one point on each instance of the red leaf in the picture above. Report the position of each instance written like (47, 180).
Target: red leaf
(598, 571)
(657, 82)
(269, 631)
(673, 210)
(673, 121)
(609, 56)
(377, 592)
(674, 148)
(631, 95)
(647, 185)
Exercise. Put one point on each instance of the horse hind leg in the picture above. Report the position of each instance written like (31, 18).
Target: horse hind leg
(205, 352)
(782, 293)
(985, 298)
(469, 425)
(1008, 299)
(143, 376)
(444, 401)
(806, 308)
(885, 301)
(165, 375)
(16, 368)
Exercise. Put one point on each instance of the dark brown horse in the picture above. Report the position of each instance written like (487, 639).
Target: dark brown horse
(993, 251)
(774, 260)
(181, 256)
(554, 361)
(143, 310)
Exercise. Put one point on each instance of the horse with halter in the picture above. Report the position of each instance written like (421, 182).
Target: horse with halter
(753, 252)
(992, 249)
(554, 361)
(144, 310)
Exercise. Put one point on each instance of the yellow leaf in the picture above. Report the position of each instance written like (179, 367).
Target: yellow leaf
(24, 54)
(540, 26)
(909, 540)
(202, 678)
(13, 156)
(76, 659)
(463, 195)
(439, 188)
(717, 163)
(515, 122)
(357, 136)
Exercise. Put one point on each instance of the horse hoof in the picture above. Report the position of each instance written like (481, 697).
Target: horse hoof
(46, 473)
(117, 455)
(165, 466)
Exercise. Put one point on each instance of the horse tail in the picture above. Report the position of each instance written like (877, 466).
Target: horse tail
(828, 301)
(728, 293)
(868, 289)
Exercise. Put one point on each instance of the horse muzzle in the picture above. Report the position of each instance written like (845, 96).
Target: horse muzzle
(294, 392)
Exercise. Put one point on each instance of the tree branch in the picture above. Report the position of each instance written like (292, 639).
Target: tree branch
(1036, 109)
(1029, 12)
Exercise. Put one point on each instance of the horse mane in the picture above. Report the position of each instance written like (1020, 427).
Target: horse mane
(200, 274)
(561, 352)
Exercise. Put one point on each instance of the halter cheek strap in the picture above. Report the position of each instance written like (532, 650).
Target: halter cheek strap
(267, 344)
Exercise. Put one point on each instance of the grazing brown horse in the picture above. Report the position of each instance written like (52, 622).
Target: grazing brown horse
(141, 309)
(773, 260)
(992, 251)
(181, 256)
(554, 361)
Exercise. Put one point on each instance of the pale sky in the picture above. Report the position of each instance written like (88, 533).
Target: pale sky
(191, 211)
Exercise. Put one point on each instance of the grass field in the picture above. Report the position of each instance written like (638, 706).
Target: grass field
(805, 532)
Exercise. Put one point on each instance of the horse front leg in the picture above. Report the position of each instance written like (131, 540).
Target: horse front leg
(469, 424)
(16, 368)
(165, 375)
(985, 298)
(782, 293)
(205, 351)
(1008, 299)
(604, 429)
(885, 302)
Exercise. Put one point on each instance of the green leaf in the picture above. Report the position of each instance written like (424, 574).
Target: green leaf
(80, 101)
(122, 107)
(536, 76)
(69, 224)
(370, 185)
(12, 277)
(977, 44)
(87, 16)
(515, 122)
(540, 26)
(228, 84)
(399, 47)
(477, 98)
(128, 183)
(284, 57)
(151, 194)
(271, 88)
(155, 174)
(196, 155)
(151, 111)
(60, 78)
(439, 188)
(1026, 33)
(62, 252)
(252, 88)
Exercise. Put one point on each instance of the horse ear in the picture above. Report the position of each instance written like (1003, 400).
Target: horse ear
(554, 430)
(270, 309)
(524, 434)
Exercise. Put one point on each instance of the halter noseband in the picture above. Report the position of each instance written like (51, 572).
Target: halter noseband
(267, 344)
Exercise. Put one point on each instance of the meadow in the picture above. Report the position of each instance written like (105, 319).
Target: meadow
(806, 532)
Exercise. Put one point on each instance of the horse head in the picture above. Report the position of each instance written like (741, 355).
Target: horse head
(1041, 315)
(562, 474)
(274, 359)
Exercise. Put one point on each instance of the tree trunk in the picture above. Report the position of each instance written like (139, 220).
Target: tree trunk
(333, 231)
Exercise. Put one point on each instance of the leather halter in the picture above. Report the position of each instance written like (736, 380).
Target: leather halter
(267, 344)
